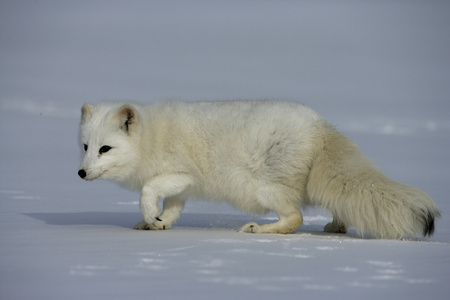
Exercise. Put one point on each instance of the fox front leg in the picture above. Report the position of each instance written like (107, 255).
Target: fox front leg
(149, 204)
(160, 187)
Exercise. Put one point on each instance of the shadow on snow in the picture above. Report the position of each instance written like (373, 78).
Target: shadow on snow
(187, 220)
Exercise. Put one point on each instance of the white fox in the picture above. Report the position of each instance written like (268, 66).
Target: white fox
(259, 156)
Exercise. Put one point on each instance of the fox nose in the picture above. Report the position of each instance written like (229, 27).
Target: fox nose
(82, 173)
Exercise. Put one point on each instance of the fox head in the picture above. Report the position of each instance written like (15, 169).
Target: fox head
(109, 137)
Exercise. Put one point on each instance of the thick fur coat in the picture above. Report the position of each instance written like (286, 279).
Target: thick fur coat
(259, 156)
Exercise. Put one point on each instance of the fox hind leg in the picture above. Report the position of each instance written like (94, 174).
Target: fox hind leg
(286, 224)
(277, 200)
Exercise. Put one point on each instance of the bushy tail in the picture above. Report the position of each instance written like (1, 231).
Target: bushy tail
(345, 182)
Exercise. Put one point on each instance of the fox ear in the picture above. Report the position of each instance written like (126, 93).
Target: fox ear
(128, 118)
(86, 112)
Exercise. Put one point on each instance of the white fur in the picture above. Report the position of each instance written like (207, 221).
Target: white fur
(259, 156)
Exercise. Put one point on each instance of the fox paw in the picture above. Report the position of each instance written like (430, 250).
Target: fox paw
(251, 227)
(159, 225)
(141, 226)
(335, 228)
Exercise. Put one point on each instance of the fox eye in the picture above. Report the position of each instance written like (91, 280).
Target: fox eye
(85, 147)
(104, 149)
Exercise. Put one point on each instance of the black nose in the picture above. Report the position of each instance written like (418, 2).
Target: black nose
(82, 173)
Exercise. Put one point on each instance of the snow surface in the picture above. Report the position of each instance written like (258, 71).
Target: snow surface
(379, 70)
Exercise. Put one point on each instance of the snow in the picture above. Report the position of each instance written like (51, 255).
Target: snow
(378, 70)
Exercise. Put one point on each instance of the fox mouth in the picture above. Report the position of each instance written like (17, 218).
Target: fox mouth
(98, 176)
(82, 173)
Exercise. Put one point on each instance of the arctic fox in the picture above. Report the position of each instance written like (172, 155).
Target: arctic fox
(259, 156)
